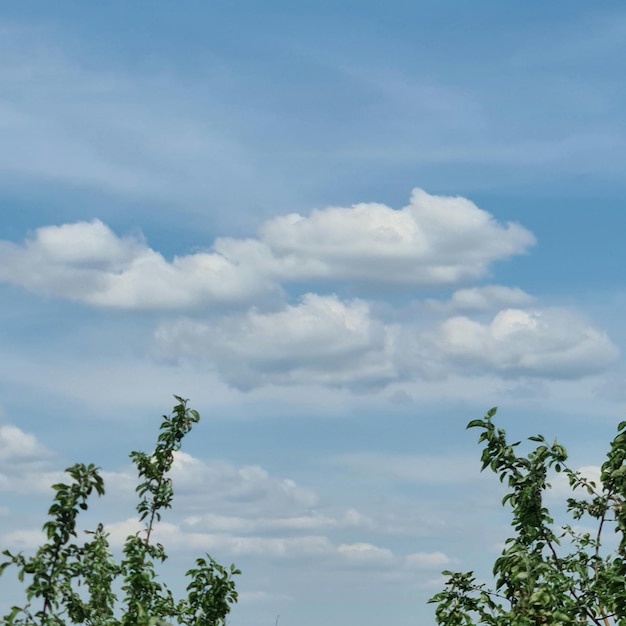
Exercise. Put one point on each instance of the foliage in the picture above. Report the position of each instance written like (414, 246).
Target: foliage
(70, 583)
(547, 574)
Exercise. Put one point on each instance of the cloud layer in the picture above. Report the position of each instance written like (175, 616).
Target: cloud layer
(433, 241)
(87, 262)
(320, 340)
(235, 511)
(550, 342)
(323, 340)
(251, 335)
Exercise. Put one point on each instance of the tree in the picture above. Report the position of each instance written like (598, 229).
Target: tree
(547, 574)
(74, 584)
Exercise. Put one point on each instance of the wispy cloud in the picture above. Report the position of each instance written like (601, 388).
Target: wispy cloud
(484, 298)
(105, 129)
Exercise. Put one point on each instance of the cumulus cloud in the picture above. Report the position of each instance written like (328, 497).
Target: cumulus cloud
(434, 240)
(19, 447)
(237, 490)
(87, 262)
(320, 340)
(25, 463)
(325, 341)
(548, 343)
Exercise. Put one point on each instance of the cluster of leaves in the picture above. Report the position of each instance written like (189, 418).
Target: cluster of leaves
(70, 583)
(547, 574)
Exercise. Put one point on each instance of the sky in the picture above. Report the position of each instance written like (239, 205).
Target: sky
(343, 230)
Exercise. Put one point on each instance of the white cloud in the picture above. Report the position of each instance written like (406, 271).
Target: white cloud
(549, 343)
(178, 536)
(31, 481)
(243, 511)
(238, 510)
(19, 447)
(289, 547)
(324, 341)
(427, 560)
(306, 546)
(321, 340)
(119, 531)
(433, 240)
(483, 298)
(23, 539)
(87, 262)
(561, 489)
(262, 597)
(309, 521)
(361, 553)
(239, 491)
(25, 463)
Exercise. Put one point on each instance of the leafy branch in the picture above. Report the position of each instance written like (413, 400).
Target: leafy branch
(536, 582)
(73, 584)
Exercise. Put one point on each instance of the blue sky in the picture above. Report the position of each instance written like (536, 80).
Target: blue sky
(343, 230)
